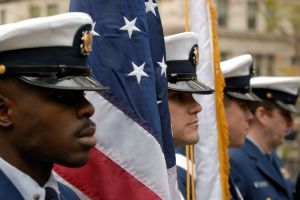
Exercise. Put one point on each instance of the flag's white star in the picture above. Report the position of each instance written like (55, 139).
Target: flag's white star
(163, 66)
(93, 30)
(138, 71)
(129, 26)
(150, 6)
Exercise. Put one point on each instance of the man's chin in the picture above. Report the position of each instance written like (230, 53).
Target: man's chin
(192, 141)
(236, 144)
(79, 161)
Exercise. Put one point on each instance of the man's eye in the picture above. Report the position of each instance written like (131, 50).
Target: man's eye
(68, 96)
(59, 96)
(286, 114)
(179, 96)
(243, 105)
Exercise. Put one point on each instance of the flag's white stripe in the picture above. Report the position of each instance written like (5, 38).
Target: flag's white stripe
(181, 197)
(181, 162)
(130, 146)
(81, 195)
(173, 183)
(208, 183)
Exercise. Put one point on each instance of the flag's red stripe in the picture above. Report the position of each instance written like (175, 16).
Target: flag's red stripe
(103, 179)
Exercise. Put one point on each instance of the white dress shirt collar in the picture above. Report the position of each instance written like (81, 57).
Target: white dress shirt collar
(257, 145)
(28, 187)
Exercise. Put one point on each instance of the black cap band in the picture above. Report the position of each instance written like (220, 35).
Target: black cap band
(47, 70)
(180, 67)
(44, 56)
(275, 95)
(238, 84)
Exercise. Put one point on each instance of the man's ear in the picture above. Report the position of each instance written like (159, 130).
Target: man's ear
(261, 114)
(5, 120)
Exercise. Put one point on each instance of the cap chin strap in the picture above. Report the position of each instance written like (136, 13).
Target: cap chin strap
(173, 78)
(46, 70)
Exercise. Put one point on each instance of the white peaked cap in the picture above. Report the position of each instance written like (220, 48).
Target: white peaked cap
(58, 30)
(283, 90)
(288, 85)
(49, 52)
(178, 46)
(237, 66)
(237, 72)
(182, 56)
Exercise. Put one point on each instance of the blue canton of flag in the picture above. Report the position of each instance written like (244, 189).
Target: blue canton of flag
(157, 48)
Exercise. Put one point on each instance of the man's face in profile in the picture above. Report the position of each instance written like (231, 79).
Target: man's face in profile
(184, 120)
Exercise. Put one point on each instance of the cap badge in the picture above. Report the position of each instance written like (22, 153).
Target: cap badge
(196, 55)
(269, 95)
(2, 69)
(87, 43)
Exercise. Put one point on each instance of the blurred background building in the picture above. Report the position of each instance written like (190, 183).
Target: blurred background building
(247, 26)
(16, 10)
(267, 29)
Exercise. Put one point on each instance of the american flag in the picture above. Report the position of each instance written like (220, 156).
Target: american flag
(134, 157)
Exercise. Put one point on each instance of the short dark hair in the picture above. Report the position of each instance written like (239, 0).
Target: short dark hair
(266, 104)
(269, 106)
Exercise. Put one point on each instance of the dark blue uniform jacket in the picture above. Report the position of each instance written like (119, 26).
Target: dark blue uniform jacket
(9, 192)
(257, 177)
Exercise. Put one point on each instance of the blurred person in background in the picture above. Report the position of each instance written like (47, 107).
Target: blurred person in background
(255, 167)
(297, 188)
(237, 73)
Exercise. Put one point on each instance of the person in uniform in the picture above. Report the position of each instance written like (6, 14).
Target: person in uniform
(182, 59)
(297, 188)
(254, 167)
(44, 116)
(237, 73)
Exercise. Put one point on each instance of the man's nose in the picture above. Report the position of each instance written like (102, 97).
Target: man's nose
(196, 107)
(249, 115)
(86, 109)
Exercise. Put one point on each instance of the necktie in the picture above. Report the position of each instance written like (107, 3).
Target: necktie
(269, 157)
(272, 161)
(51, 194)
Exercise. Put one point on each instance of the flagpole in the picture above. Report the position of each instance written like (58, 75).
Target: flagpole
(186, 15)
(187, 153)
(189, 148)
(193, 171)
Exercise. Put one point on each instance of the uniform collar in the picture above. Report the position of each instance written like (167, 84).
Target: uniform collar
(28, 187)
(257, 145)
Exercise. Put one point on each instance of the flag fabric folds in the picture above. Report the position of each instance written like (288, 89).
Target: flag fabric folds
(211, 156)
(134, 157)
